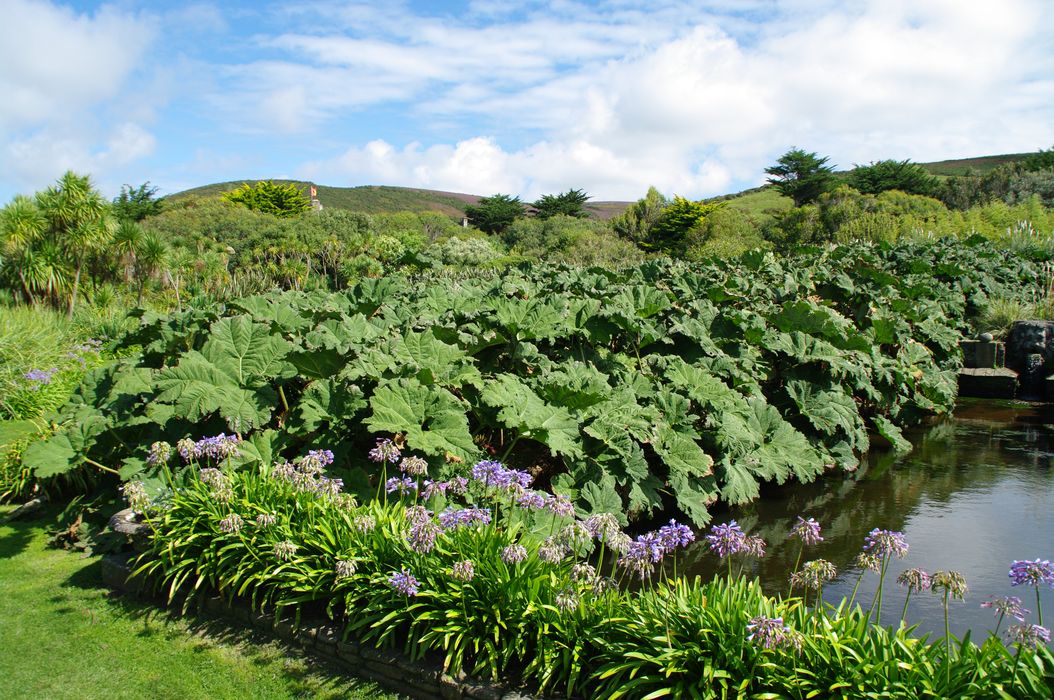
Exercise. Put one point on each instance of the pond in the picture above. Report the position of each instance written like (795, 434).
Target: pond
(976, 493)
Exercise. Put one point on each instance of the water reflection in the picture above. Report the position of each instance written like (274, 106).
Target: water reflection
(976, 493)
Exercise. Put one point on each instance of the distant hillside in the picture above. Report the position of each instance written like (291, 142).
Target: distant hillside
(379, 199)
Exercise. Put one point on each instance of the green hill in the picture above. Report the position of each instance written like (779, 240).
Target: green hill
(378, 199)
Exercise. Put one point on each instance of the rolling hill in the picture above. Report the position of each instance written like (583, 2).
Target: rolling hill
(378, 199)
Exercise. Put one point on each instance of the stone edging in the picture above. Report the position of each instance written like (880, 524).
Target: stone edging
(392, 670)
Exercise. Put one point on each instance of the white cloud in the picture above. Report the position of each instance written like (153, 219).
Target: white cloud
(698, 111)
(56, 62)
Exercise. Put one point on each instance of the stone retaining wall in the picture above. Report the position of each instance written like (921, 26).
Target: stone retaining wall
(322, 638)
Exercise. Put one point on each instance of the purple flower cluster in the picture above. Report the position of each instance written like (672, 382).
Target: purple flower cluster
(951, 582)
(404, 582)
(401, 484)
(883, 543)
(285, 550)
(675, 535)
(345, 568)
(41, 376)
(218, 447)
(1029, 636)
(385, 451)
(1031, 573)
(414, 466)
(727, 539)
(423, 533)
(1009, 606)
(231, 524)
(135, 493)
(160, 452)
(266, 520)
(457, 486)
(451, 519)
(567, 600)
(463, 571)
(514, 554)
(316, 461)
(771, 633)
(814, 574)
(916, 580)
(808, 531)
(493, 474)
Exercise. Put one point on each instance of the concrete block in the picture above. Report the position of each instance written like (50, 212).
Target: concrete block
(998, 383)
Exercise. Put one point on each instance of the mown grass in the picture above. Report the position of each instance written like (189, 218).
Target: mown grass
(64, 636)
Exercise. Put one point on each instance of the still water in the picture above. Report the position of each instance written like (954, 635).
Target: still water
(976, 493)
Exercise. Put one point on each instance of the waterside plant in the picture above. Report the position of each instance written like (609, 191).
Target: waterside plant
(501, 581)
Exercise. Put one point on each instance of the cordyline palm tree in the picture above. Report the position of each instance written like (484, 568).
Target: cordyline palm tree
(127, 241)
(79, 222)
(22, 225)
(150, 258)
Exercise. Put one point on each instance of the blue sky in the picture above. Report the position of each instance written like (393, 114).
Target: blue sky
(522, 97)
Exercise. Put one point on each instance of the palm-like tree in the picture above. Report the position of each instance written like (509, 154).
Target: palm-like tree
(22, 225)
(79, 220)
(127, 241)
(150, 257)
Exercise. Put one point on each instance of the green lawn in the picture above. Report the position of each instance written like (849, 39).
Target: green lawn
(64, 636)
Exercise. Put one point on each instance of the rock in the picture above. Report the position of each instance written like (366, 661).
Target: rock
(986, 337)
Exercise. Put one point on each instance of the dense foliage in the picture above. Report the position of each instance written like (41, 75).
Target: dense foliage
(803, 176)
(495, 213)
(505, 582)
(659, 386)
(570, 203)
(281, 200)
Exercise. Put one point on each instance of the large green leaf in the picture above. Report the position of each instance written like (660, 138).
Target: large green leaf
(51, 457)
(11, 431)
(246, 351)
(522, 410)
(432, 419)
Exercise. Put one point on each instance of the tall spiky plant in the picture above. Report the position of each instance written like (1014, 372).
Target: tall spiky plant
(22, 225)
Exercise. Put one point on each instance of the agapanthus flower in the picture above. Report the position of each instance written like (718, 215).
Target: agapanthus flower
(675, 535)
(404, 582)
(807, 530)
(422, 537)
(402, 485)
(814, 574)
(575, 535)
(726, 539)
(431, 488)
(952, 582)
(213, 478)
(868, 562)
(345, 501)
(583, 573)
(266, 520)
(451, 519)
(772, 633)
(345, 568)
(560, 505)
(160, 452)
(619, 542)
(1031, 573)
(531, 500)
(884, 543)
(754, 545)
(414, 466)
(326, 487)
(485, 471)
(1029, 636)
(603, 526)
(417, 514)
(385, 451)
(458, 485)
(285, 550)
(514, 554)
(1010, 606)
(316, 461)
(915, 580)
(218, 447)
(187, 449)
(642, 555)
(364, 523)
(552, 551)
(135, 493)
(567, 600)
(463, 571)
(41, 376)
(285, 471)
(231, 524)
